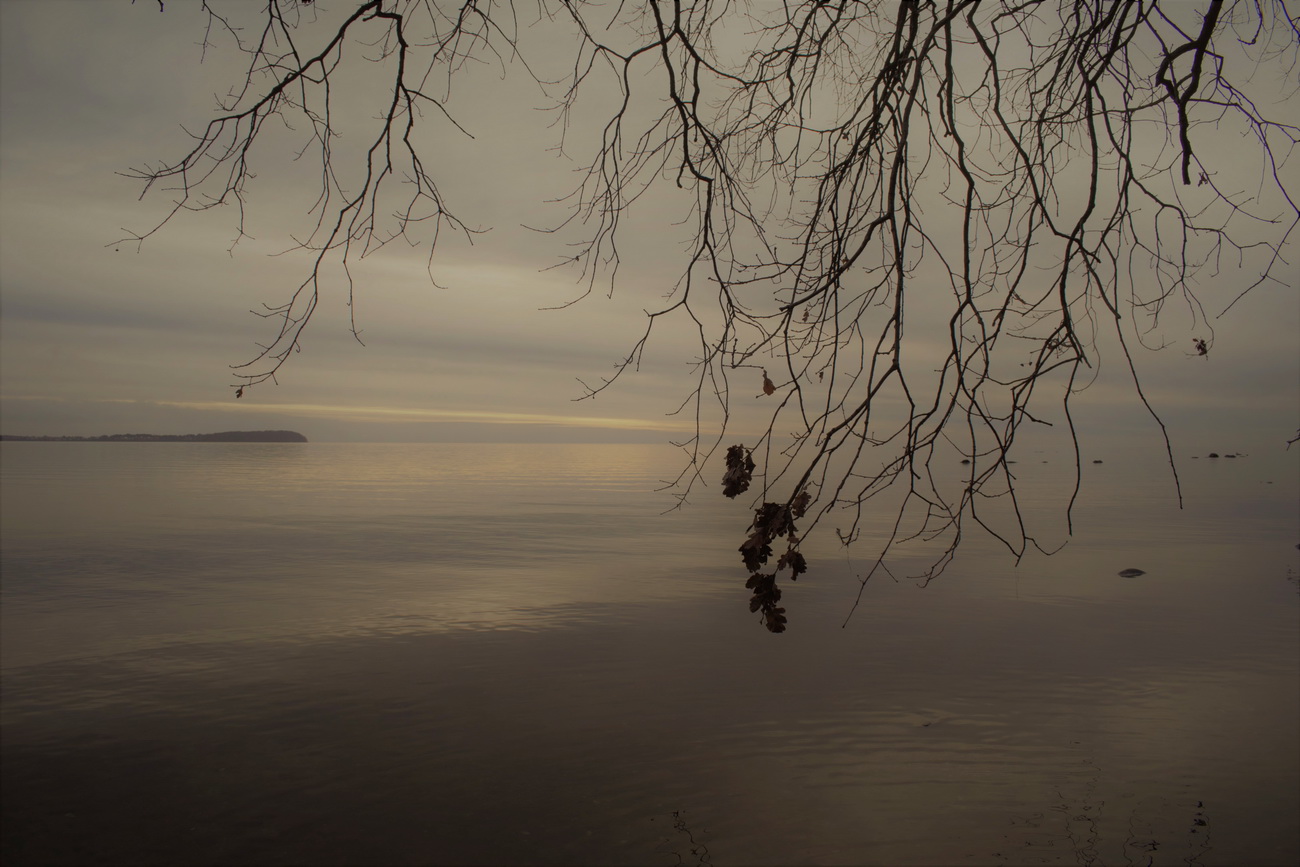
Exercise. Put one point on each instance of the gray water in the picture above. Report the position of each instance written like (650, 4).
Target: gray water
(423, 654)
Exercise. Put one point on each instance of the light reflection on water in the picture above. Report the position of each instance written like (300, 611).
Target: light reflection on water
(491, 654)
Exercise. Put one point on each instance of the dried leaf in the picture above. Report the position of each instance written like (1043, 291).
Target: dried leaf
(766, 595)
(800, 505)
(768, 387)
(755, 551)
(740, 471)
(774, 520)
(795, 560)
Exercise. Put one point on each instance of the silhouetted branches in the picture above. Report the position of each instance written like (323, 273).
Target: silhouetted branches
(928, 219)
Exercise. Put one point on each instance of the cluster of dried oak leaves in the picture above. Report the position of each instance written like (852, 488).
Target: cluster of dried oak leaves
(772, 521)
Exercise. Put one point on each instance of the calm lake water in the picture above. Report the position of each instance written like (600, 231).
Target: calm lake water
(424, 654)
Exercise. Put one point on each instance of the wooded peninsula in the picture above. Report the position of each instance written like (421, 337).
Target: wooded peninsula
(229, 436)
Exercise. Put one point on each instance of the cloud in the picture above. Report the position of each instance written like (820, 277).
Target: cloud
(90, 89)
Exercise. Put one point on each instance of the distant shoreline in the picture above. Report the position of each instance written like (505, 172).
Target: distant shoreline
(230, 436)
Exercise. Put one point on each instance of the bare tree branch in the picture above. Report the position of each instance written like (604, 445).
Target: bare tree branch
(1009, 181)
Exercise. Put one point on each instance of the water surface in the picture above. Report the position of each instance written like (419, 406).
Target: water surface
(363, 654)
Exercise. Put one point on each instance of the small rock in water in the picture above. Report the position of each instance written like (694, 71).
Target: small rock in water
(1131, 573)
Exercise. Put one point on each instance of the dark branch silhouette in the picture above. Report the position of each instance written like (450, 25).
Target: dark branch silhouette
(1024, 184)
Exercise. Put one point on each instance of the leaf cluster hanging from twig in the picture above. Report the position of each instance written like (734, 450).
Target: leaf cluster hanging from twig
(740, 471)
(772, 521)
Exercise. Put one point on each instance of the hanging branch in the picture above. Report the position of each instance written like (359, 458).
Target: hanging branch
(925, 223)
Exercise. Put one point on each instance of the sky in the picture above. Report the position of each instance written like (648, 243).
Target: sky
(98, 338)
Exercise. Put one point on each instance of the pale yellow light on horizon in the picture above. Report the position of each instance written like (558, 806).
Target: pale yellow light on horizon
(401, 414)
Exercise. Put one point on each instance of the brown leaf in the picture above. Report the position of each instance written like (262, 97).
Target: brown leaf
(740, 471)
(773, 520)
(795, 560)
(800, 505)
(755, 551)
(768, 387)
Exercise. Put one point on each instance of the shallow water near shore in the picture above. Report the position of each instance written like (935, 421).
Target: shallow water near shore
(423, 654)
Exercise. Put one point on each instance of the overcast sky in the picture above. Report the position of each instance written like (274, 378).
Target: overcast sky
(102, 340)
